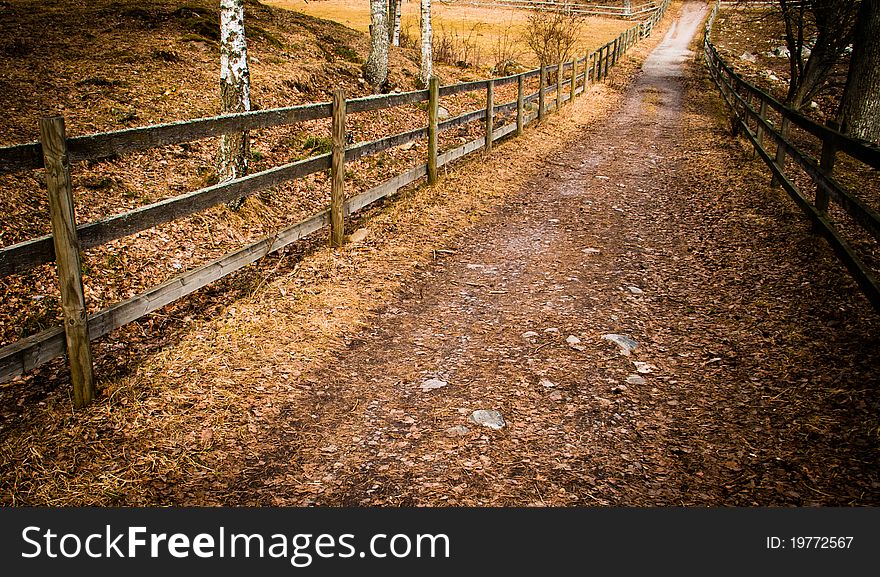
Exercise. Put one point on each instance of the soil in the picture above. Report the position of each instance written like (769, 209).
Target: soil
(348, 378)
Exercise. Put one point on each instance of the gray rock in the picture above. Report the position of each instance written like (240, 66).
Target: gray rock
(635, 380)
(644, 368)
(781, 52)
(556, 396)
(457, 431)
(574, 343)
(626, 344)
(492, 419)
(529, 335)
(432, 384)
(547, 383)
(635, 290)
(748, 57)
(442, 113)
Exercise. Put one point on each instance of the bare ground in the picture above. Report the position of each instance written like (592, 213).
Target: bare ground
(654, 224)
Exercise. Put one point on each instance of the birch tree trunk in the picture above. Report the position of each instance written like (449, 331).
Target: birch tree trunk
(394, 7)
(426, 67)
(376, 67)
(859, 114)
(235, 91)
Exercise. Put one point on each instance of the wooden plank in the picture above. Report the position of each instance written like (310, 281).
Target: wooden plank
(462, 87)
(826, 165)
(31, 253)
(103, 145)
(541, 86)
(376, 146)
(383, 101)
(573, 83)
(490, 114)
(433, 108)
(520, 104)
(337, 171)
(387, 188)
(21, 157)
(462, 119)
(73, 304)
(559, 74)
(451, 155)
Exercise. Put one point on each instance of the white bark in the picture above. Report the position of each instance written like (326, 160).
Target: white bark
(235, 88)
(376, 67)
(426, 67)
(395, 38)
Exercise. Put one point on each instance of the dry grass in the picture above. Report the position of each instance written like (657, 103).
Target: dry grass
(180, 427)
(484, 26)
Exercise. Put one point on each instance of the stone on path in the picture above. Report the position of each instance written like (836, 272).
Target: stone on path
(432, 384)
(626, 344)
(491, 419)
(635, 380)
(457, 431)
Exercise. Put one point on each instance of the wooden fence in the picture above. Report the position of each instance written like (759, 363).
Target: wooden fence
(57, 152)
(759, 116)
(643, 11)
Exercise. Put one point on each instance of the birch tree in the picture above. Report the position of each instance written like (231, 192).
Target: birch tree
(376, 66)
(394, 7)
(426, 64)
(235, 91)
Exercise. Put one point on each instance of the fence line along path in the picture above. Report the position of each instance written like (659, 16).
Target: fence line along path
(761, 118)
(57, 153)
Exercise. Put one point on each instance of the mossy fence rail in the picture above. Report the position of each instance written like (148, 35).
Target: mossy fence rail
(760, 116)
(56, 153)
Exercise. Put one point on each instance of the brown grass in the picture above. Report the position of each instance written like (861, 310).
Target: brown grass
(485, 26)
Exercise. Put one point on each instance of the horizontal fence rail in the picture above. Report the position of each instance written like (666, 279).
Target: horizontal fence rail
(751, 107)
(18, 358)
(586, 9)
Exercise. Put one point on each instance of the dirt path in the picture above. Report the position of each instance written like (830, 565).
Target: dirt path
(753, 389)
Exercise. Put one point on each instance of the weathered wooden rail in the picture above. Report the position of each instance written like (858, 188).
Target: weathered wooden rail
(69, 237)
(753, 111)
(581, 8)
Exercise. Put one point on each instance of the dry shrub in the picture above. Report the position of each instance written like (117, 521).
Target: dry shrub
(457, 49)
(552, 35)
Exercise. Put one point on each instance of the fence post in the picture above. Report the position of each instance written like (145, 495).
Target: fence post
(559, 69)
(67, 259)
(490, 113)
(337, 170)
(433, 110)
(597, 73)
(519, 105)
(780, 150)
(574, 75)
(826, 165)
(614, 53)
(542, 82)
(607, 58)
(759, 131)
